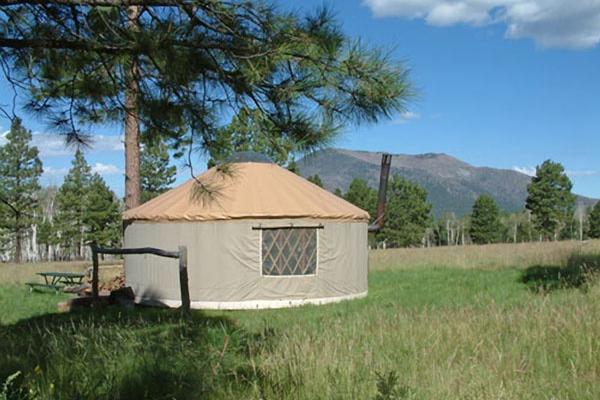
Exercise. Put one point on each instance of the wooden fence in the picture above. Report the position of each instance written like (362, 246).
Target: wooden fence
(181, 254)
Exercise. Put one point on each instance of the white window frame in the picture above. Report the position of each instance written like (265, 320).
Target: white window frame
(260, 257)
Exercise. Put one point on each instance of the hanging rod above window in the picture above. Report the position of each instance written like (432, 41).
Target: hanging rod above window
(291, 226)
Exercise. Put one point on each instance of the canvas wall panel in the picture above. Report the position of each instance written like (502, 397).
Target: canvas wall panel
(224, 261)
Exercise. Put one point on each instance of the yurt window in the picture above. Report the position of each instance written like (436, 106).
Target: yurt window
(289, 251)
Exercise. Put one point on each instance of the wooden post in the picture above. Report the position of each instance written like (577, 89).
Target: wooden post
(183, 280)
(94, 272)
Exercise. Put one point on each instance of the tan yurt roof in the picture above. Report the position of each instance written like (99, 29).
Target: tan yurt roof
(246, 190)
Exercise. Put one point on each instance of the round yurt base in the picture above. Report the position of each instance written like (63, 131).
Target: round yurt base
(250, 304)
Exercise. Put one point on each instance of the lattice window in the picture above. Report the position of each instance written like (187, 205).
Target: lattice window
(289, 251)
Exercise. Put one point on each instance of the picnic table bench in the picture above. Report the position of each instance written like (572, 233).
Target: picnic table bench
(57, 280)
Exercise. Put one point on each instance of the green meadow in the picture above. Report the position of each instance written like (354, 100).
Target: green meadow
(478, 322)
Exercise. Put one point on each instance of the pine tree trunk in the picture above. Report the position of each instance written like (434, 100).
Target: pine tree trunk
(80, 245)
(34, 250)
(18, 238)
(18, 245)
(132, 125)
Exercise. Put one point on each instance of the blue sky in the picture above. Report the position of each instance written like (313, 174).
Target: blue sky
(502, 83)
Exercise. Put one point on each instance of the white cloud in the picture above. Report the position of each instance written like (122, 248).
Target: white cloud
(551, 23)
(531, 172)
(583, 173)
(54, 175)
(410, 115)
(106, 169)
(50, 172)
(525, 170)
(51, 145)
(405, 117)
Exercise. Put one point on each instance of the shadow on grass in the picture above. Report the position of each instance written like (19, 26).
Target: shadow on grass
(117, 354)
(580, 270)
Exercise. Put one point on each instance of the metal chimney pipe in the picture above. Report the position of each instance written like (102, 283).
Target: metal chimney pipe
(386, 162)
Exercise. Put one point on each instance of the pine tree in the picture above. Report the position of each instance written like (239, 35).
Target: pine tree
(156, 173)
(316, 179)
(20, 169)
(102, 215)
(290, 82)
(71, 204)
(407, 215)
(594, 230)
(550, 199)
(361, 195)
(292, 166)
(486, 226)
(47, 236)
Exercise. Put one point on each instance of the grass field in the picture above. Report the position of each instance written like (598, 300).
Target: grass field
(487, 322)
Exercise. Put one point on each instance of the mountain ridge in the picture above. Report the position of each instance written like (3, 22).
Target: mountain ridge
(452, 184)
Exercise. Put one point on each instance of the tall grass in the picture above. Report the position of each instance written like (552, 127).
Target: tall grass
(491, 256)
(468, 330)
(115, 355)
(539, 350)
(16, 303)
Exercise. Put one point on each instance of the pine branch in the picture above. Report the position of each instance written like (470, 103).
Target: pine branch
(46, 43)
(14, 209)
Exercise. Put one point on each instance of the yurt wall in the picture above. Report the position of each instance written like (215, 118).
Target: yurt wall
(226, 266)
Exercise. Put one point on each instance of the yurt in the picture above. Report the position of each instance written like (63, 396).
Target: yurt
(257, 236)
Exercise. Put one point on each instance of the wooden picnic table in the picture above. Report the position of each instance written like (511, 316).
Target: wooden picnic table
(58, 280)
(65, 278)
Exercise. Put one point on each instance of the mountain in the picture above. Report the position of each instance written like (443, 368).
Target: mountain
(452, 184)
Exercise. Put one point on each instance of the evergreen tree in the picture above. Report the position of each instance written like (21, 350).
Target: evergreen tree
(292, 166)
(197, 73)
(361, 195)
(338, 192)
(71, 204)
(20, 169)
(156, 173)
(550, 199)
(594, 230)
(47, 236)
(102, 214)
(316, 179)
(485, 221)
(407, 215)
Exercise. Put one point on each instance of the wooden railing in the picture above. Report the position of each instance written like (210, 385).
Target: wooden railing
(181, 254)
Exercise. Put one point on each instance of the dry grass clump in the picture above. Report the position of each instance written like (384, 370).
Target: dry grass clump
(540, 350)
(521, 255)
